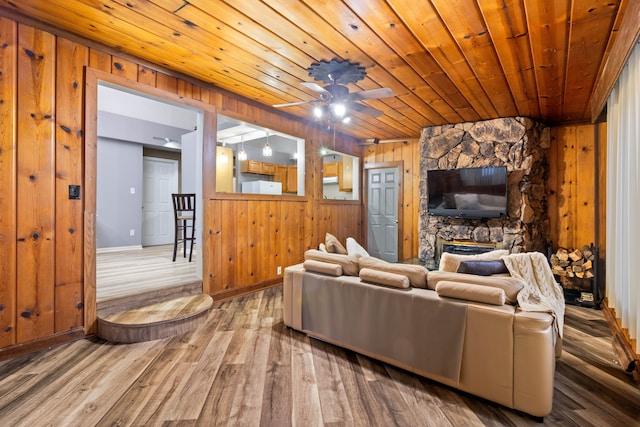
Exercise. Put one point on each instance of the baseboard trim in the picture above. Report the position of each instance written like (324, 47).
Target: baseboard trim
(621, 342)
(118, 249)
(17, 350)
(236, 292)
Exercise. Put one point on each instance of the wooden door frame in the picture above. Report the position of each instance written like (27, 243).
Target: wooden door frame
(399, 165)
(93, 78)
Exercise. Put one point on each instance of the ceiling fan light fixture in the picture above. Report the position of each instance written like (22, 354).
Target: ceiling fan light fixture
(318, 112)
(339, 109)
(346, 120)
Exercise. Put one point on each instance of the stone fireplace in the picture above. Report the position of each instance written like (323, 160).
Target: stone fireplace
(519, 143)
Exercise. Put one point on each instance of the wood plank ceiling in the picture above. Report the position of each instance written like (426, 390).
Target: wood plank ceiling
(447, 61)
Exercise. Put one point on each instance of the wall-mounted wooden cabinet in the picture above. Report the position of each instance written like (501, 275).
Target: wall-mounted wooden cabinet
(330, 169)
(255, 166)
(345, 174)
(292, 179)
(288, 176)
(224, 169)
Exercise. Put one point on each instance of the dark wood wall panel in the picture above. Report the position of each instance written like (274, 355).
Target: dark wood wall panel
(35, 184)
(8, 124)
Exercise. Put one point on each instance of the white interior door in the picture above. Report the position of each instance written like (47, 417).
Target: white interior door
(160, 179)
(382, 205)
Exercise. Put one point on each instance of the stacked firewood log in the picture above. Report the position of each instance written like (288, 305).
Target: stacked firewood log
(577, 263)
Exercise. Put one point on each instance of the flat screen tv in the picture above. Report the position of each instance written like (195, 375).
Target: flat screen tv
(468, 192)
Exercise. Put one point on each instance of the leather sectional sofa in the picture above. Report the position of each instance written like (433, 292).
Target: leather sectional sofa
(460, 329)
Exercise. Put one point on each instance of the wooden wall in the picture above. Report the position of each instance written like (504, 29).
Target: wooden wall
(575, 186)
(406, 153)
(43, 234)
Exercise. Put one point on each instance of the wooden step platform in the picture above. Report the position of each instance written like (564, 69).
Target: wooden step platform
(151, 322)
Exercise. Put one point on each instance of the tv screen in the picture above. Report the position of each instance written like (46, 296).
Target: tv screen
(468, 192)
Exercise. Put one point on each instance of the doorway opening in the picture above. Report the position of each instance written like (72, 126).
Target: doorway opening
(147, 149)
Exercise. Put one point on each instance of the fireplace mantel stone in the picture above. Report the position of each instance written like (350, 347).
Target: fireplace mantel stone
(519, 143)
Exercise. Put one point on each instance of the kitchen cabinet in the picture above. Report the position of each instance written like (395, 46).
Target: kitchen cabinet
(288, 176)
(330, 169)
(345, 174)
(292, 179)
(255, 166)
(224, 170)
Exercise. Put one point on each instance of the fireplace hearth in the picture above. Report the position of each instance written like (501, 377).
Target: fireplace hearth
(463, 247)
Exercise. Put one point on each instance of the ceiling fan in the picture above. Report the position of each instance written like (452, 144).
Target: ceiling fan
(335, 97)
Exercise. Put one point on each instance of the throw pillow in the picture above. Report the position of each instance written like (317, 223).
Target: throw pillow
(354, 248)
(417, 274)
(333, 244)
(348, 263)
(483, 268)
(322, 247)
(322, 267)
(450, 262)
(384, 278)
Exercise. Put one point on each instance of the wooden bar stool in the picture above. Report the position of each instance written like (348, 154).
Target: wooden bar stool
(184, 213)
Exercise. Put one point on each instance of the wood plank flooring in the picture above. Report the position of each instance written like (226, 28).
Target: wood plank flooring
(243, 367)
(130, 272)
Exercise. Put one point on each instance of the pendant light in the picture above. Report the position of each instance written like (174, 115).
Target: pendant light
(266, 150)
(242, 155)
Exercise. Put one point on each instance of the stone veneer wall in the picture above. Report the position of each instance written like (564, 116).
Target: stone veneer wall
(519, 143)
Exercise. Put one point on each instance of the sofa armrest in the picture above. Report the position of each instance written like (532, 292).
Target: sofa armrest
(534, 362)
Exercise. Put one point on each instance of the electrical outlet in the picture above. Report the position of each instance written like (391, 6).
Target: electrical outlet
(132, 232)
(279, 270)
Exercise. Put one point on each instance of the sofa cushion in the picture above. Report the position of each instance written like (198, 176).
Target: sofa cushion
(416, 273)
(379, 277)
(355, 249)
(333, 244)
(510, 285)
(323, 267)
(450, 262)
(348, 263)
(469, 292)
(483, 268)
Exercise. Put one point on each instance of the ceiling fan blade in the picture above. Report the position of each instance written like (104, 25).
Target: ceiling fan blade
(383, 92)
(291, 104)
(315, 87)
(366, 110)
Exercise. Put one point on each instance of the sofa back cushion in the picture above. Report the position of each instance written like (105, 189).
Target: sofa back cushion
(379, 277)
(322, 267)
(469, 292)
(417, 274)
(348, 263)
(510, 285)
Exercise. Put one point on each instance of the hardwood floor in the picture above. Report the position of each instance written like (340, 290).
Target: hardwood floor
(244, 367)
(130, 272)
